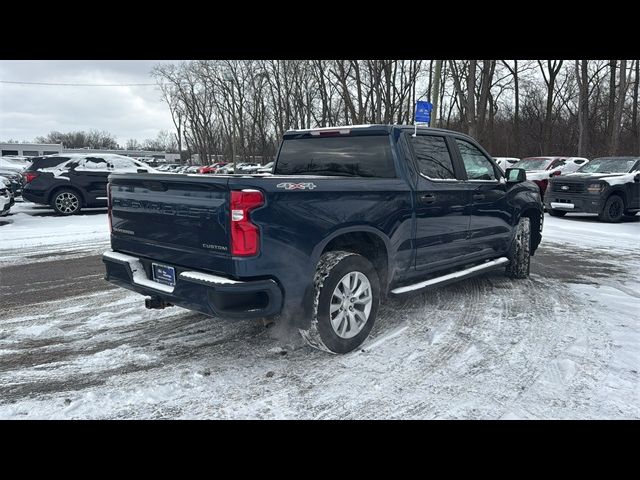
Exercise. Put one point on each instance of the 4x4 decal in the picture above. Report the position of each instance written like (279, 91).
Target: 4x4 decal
(296, 186)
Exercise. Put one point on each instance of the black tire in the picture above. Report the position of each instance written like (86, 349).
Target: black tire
(520, 251)
(66, 202)
(556, 213)
(613, 209)
(332, 268)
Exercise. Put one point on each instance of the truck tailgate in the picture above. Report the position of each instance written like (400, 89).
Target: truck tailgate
(180, 219)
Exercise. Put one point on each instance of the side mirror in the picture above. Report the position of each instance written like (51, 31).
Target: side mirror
(637, 177)
(516, 175)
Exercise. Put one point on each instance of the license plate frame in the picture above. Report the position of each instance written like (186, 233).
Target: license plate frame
(163, 274)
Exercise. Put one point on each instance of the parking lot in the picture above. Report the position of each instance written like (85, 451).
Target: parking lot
(563, 344)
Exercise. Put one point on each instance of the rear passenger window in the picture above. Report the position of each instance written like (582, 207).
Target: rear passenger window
(478, 166)
(48, 162)
(355, 156)
(433, 156)
(95, 163)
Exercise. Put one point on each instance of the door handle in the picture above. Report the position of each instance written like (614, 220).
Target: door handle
(428, 198)
(478, 196)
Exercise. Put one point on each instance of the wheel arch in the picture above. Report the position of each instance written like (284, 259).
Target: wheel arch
(537, 219)
(57, 189)
(363, 240)
(620, 192)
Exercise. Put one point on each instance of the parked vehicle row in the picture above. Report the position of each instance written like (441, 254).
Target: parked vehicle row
(71, 182)
(225, 168)
(244, 168)
(213, 168)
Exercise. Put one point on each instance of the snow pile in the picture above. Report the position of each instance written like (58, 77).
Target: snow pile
(538, 175)
(622, 179)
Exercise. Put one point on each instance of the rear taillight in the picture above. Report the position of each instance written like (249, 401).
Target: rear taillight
(245, 236)
(29, 176)
(109, 206)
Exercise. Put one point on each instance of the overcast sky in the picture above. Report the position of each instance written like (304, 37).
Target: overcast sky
(29, 111)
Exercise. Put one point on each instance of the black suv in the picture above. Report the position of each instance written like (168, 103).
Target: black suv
(77, 182)
(608, 186)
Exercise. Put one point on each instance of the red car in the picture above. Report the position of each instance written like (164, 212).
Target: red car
(213, 168)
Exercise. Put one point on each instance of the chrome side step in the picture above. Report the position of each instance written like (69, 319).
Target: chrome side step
(453, 276)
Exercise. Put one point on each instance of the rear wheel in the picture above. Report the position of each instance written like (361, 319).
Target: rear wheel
(346, 301)
(66, 202)
(613, 209)
(520, 252)
(556, 213)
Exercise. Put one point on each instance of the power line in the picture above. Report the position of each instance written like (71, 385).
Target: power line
(83, 84)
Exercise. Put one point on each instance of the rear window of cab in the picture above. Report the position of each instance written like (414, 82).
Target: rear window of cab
(353, 156)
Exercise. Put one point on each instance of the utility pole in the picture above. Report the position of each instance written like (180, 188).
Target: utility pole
(436, 93)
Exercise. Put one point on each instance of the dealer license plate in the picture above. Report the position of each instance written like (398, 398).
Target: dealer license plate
(164, 274)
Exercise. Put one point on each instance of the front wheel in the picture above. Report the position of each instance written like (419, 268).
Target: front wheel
(520, 252)
(613, 210)
(66, 202)
(346, 301)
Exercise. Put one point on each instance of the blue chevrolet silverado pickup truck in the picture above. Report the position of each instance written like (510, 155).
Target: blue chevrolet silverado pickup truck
(349, 216)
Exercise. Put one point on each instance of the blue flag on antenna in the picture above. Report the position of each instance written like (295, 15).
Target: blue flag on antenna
(423, 111)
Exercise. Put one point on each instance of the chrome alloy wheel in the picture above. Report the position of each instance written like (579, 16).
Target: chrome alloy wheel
(350, 305)
(67, 202)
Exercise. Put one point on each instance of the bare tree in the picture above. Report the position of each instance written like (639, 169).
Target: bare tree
(133, 144)
(620, 98)
(550, 75)
(240, 109)
(635, 125)
(582, 76)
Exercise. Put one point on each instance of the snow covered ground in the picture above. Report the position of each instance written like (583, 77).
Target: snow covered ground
(563, 344)
(32, 233)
